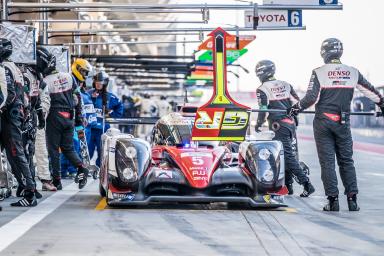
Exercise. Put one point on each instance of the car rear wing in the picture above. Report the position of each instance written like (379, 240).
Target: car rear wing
(153, 120)
(377, 114)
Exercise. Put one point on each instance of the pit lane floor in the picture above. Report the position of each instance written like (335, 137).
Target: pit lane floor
(75, 222)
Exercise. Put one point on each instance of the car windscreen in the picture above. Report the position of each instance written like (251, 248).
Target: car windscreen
(176, 130)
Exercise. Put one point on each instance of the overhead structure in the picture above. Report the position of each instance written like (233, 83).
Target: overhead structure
(304, 5)
(166, 30)
(111, 34)
(168, 71)
(132, 42)
(120, 21)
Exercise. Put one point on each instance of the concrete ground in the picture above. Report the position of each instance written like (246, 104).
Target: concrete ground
(73, 222)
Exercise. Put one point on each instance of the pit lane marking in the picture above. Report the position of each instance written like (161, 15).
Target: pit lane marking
(20, 225)
(101, 205)
(290, 210)
(375, 174)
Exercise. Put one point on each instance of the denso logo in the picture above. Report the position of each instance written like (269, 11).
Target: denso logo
(339, 73)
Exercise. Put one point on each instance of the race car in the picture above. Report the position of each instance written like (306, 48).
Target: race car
(173, 168)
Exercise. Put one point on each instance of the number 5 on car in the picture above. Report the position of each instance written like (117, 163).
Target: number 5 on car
(221, 118)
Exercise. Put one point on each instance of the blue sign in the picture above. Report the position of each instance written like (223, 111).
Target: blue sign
(328, 2)
(295, 18)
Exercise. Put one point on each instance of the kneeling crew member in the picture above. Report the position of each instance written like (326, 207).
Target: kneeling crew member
(276, 94)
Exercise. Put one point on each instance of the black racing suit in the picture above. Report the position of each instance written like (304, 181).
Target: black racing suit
(12, 124)
(3, 89)
(275, 94)
(65, 106)
(331, 87)
(33, 107)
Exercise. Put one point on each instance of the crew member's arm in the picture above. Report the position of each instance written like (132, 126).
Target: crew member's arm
(3, 87)
(11, 89)
(78, 107)
(262, 99)
(370, 91)
(294, 99)
(40, 113)
(294, 95)
(116, 106)
(45, 99)
(41, 105)
(310, 97)
(312, 94)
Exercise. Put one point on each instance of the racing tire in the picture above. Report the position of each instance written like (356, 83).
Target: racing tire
(95, 171)
(95, 175)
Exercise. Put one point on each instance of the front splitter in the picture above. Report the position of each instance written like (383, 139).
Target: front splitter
(262, 203)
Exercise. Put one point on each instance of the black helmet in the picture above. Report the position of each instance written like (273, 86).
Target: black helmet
(46, 62)
(331, 49)
(5, 49)
(102, 77)
(265, 69)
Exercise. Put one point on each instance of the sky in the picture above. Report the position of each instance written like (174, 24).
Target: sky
(359, 26)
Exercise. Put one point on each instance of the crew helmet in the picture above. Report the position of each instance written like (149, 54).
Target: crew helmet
(331, 49)
(5, 49)
(45, 62)
(265, 69)
(81, 69)
(102, 77)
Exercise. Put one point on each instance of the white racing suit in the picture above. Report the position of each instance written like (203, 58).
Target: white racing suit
(148, 109)
(41, 153)
(164, 107)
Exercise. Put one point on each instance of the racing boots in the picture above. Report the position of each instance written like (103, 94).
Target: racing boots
(38, 195)
(308, 189)
(81, 177)
(47, 186)
(20, 191)
(352, 203)
(28, 200)
(333, 204)
(289, 188)
(57, 183)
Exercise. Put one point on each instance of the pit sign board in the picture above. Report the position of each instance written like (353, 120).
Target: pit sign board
(301, 2)
(232, 56)
(230, 42)
(275, 18)
(221, 118)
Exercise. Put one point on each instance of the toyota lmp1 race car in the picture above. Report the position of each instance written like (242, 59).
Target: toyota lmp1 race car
(173, 168)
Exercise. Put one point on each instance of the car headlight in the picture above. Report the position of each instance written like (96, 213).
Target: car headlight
(131, 152)
(129, 174)
(264, 154)
(268, 175)
(125, 162)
